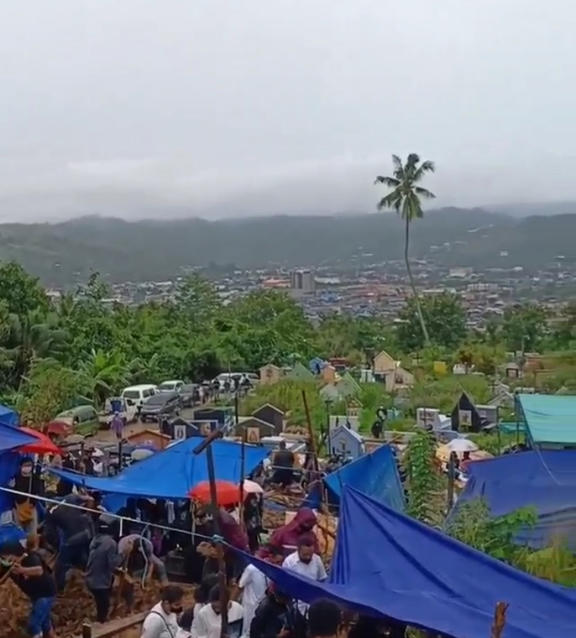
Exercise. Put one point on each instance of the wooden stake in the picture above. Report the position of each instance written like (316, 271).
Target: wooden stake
(222, 581)
(499, 620)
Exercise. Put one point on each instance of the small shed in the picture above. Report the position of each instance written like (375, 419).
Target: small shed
(269, 413)
(328, 374)
(179, 429)
(152, 438)
(247, 425)
(331, 393)
(270, 374)
(384, 363)
(346, 443)
(300, 373)
(465, 416)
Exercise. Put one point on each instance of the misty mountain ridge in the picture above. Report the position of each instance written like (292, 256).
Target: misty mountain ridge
(67, 252)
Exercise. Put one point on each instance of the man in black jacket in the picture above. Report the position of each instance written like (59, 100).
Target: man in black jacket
(276, 616)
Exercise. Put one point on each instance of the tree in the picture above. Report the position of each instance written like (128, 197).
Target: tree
(524, 327)
(33, 335)
(444, 315)
(20, 291)
(101, 374)
(198, 300)
(49, 389)
(405, 199)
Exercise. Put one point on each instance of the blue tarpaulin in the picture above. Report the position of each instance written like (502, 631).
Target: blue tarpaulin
(374, 474)
(8, 467)
(173, 472)
(545, 480)
(387, 564)
(550, 419)
(11, 438)
(8, 416)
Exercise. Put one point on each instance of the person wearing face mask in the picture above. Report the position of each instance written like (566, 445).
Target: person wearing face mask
(208, 622)
(29, 481)
(162, 621)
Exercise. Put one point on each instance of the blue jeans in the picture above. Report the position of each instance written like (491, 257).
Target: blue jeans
(39, 622)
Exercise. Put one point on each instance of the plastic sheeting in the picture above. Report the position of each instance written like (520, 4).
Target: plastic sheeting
(545, 480)
(9, 417)
(387, 564)
(173, 472)
(374, 474)
(549, 418)
(11, 437)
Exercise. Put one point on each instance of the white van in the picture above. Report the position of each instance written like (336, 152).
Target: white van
(137, 394)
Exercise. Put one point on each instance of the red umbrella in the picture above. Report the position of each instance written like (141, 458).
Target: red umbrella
(226, 493)
(44, 445)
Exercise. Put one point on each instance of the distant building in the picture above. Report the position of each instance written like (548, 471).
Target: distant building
(302, 282)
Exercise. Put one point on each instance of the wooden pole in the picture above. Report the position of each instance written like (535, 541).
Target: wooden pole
(222, 581)
(499, 620)
(451, 480)
(242, 471)
(311, 437)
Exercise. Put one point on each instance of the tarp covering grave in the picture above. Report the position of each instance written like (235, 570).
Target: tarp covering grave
(388, 564)
(550, 419)
(173, 472)
(545, 480)
(374, 474)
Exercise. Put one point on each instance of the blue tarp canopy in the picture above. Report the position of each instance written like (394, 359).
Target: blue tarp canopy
(9, 417)
(387, 564)
(374, 474)
(545, 480)
(173, 472)
(550, 419)
(11, 437)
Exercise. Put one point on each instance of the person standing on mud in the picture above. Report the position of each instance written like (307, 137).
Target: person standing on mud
(31, 574)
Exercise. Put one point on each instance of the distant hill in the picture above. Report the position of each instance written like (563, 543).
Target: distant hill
(153, 250)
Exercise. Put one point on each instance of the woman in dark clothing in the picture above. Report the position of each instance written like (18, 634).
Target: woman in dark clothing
(253, 521)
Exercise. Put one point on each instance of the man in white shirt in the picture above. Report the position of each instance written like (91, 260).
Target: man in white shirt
(208, 622)
(162, 621)
(306, 562)
(253, 584)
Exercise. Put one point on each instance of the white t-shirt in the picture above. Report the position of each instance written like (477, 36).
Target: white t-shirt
(253, 584)
(207, 623)
(159, 624)
(314, 570)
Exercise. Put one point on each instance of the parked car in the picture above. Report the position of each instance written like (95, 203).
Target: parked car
(171, 386)
(83, 419)
(189, 395)
(135, 395)
(160, 406)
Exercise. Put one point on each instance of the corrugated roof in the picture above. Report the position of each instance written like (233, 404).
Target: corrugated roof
(550, 418)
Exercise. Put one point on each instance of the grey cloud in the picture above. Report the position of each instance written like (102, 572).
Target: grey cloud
(142, 108)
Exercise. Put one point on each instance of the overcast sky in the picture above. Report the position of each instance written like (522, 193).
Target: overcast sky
(141, 108)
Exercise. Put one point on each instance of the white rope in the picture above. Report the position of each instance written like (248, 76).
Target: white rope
(99, 512)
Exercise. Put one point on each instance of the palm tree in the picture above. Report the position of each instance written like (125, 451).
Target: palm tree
(405, 198)
(103, 373)
(31, 336)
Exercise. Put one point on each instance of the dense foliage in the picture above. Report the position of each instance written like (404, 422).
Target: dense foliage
(86, 348)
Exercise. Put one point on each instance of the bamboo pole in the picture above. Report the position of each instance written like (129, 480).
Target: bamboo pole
(222, 581)
(499, 620)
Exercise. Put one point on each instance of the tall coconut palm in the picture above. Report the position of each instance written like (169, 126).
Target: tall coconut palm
(405, 198)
